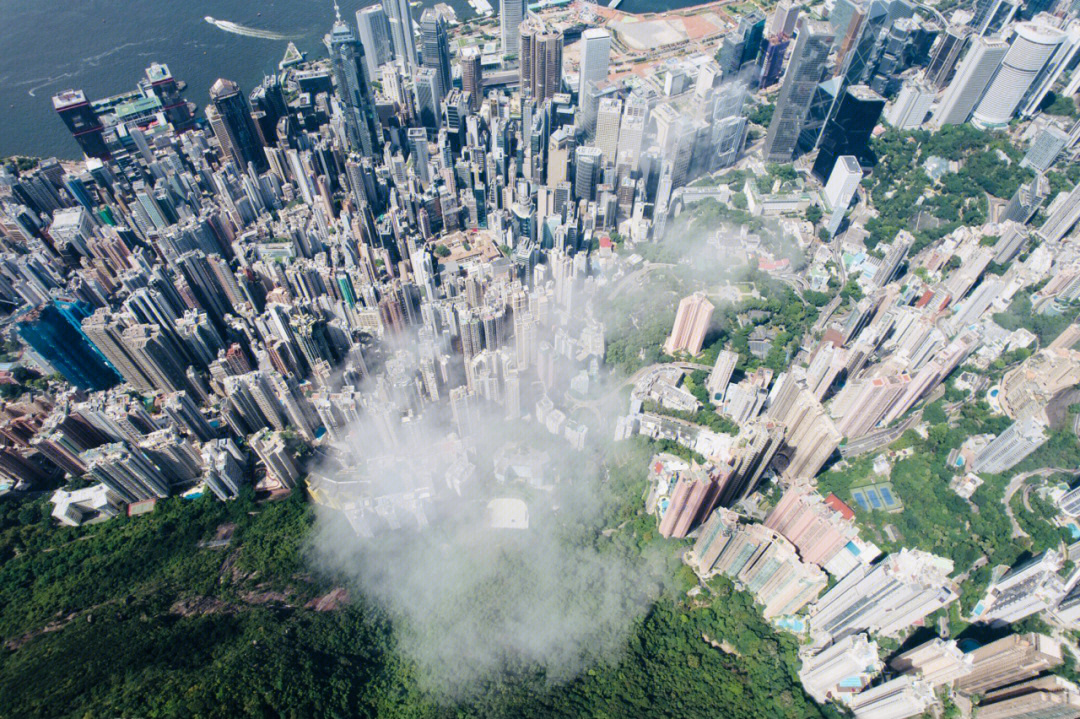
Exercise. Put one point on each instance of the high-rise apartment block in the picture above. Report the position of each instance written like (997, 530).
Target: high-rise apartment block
(1049, 697)
(720, 375)
(692, 496)
(691, 324)
(811, 436)
(936, 662)
(1027, 588)
(854, 656)
(899, 698)
(1014, 444)
(888, 597)
(1009, 660)
(760, 560)
(815, 527)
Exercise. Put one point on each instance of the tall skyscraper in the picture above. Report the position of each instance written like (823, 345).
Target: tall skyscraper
(589, 104)
(511, 13)
(472, 76)
(1045, 149)
(848, 131)
(560, 146)
(841, 188)
(772, 63)
(54, 331)
(230, 118)
(126, 471)
(426, 94)
(1029, 587)
(972, 76)
(946, 54)
(911, 106)
(811, 435)
(82, 122)
(595, 51)
(1064, 57)
(436, 47)
(1032, 47)
(223, 474)
(1062, 219)
(608, 117)
(270, 448)
(185, 415)
(632, 128)
(783, 19)
(588, 162)
(164, 87)
(541, 59)
(106, 333)
(803, 75)
(867, 402)
(399, 17)
(741, 46)
(1023, 204)
(353, 88)
(758, 444)
(373, 29)
(157, 356)
(418, 150)
(859, 51)
(991, 15)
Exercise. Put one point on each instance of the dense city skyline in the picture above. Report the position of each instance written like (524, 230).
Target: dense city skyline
(538, 329)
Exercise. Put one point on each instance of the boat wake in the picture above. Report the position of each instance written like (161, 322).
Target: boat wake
(238, 29)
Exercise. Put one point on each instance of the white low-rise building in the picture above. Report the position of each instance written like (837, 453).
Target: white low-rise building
(84, 506)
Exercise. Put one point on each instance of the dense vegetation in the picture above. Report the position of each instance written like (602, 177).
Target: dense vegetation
(1045, 326)
(145, 618)
(901, 188)
(935, 518)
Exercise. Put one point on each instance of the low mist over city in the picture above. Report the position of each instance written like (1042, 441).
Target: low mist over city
(554, 360)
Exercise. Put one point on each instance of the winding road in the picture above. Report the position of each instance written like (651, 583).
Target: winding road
(1014, 486)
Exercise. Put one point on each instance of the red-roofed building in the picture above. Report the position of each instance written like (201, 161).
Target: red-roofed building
(838, 504)
(772, 265)
(925, 298)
